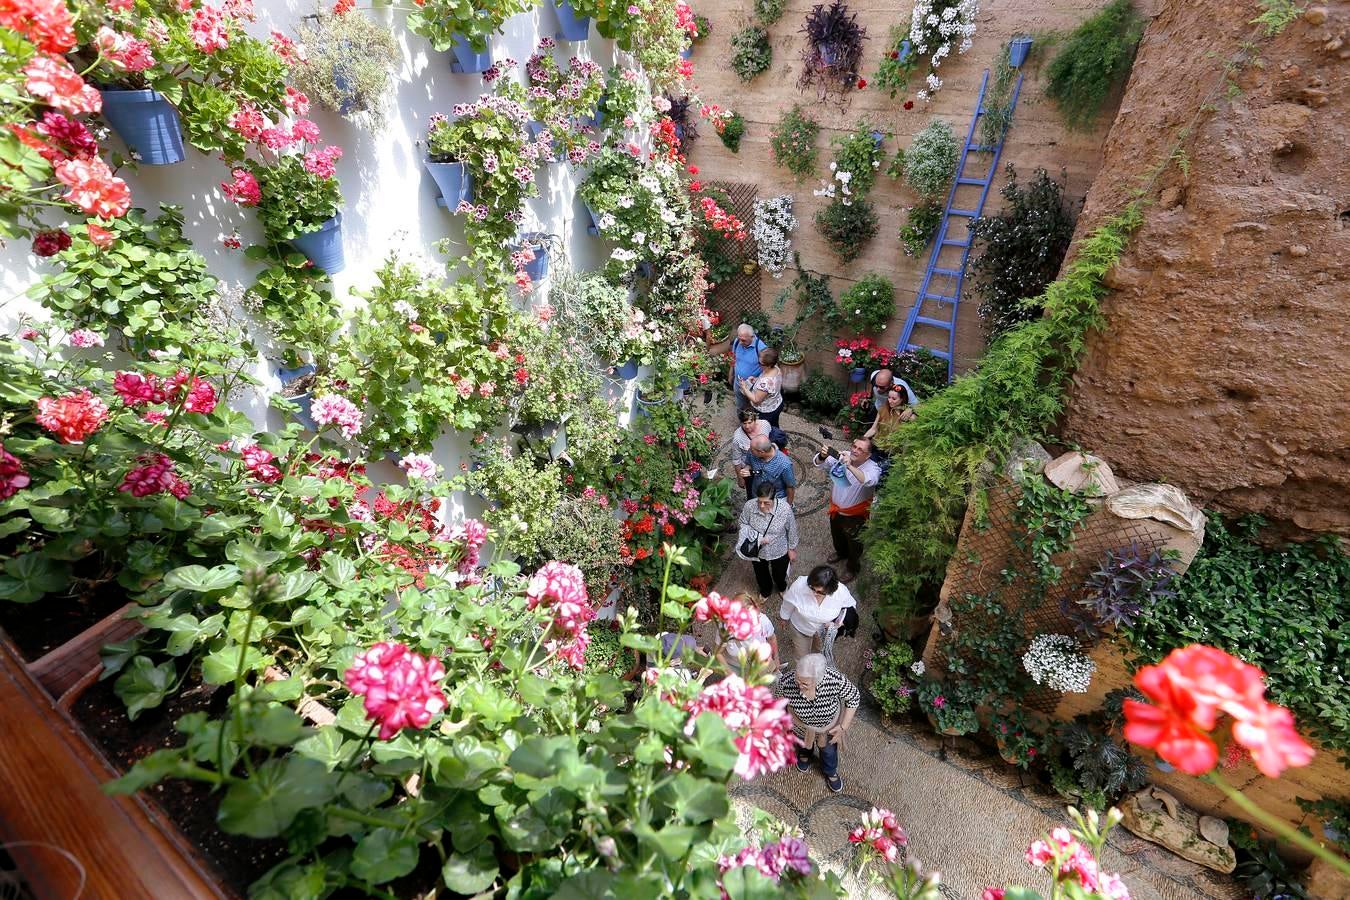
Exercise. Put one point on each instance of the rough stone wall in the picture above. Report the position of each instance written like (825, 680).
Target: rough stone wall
(1223, 367)
(1037, 138)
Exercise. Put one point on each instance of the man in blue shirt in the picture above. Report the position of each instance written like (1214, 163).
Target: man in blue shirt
(746, 346)
(769, 464)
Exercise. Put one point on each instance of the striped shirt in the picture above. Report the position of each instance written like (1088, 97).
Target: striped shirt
(834, 693)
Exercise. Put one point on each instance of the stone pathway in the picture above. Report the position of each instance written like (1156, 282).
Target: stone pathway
(967, 813)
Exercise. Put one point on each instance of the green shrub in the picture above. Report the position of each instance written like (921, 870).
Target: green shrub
(732, 131)
(847, 227)
(1019, 251)
(1092, 61)
(890, 685)
(794, 142)
(921, 224)
(1286, 610)
(1017, 391)
(751, 52)
(822, 394)
(930, 162)
(924, 371)
(769, 11)
(870, 304)
(859, 154)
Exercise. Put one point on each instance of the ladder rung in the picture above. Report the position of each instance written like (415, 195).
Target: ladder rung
(978, 181)
(982, 148)
(936, 323)
(940, 354)
(950, 273)
(951, 243)
(963, 212)
(941, 298)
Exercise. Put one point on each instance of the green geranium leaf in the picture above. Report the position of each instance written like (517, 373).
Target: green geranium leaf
(384, 855)
(144, 685)
(201, 579)
(266, 802)
(469, 873)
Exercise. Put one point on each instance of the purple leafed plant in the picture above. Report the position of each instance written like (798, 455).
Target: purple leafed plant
(833, 48)
(1128, 581)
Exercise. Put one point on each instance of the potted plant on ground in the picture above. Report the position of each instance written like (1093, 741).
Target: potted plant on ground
(947, 708)
(889, 677)
(348, 62)
(1019, 743)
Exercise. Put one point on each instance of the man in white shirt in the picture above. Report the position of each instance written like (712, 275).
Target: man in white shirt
(853, 484)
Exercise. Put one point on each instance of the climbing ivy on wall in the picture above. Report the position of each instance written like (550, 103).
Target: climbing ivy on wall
(1017, 391)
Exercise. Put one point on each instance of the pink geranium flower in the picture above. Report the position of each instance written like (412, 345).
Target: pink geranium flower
(209, 30)
(334, 409)
(738, 619)
(72, 418)
(52, 80)
(154, 475)
(244, 189)
(93, 187)
(13, 478)
(761, 723)
(400, 687)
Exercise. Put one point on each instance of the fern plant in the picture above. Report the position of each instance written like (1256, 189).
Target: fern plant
(1092, 62)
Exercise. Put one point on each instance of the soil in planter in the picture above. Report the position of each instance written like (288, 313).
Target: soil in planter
(302, 385)
(39, 628)
(238, 861)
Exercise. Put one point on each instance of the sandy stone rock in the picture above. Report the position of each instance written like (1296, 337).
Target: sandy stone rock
(1157, 501)
(1155, 815)
(1082, 473)
(1323, 882)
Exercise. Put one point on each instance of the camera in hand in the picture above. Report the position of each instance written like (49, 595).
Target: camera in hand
(831, 453)
(826, 433)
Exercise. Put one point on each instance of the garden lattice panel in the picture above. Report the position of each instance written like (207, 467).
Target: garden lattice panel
(987, 548)
(740, 295)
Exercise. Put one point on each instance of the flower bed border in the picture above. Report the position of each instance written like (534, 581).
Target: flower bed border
(127, 849)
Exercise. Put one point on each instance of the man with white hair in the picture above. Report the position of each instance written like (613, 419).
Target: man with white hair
(822, 702)
(746, 347)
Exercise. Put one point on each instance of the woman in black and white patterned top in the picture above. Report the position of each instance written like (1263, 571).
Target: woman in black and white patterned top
(823, 702)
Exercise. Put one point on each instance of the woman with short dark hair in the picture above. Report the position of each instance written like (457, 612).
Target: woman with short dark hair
(752, 426)
(811, 605)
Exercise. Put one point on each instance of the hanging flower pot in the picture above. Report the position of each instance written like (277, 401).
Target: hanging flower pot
(857, 376)
(453, 180)
(594, 227)
(571, 27)
(147, 123)
(302, 397)
(687, 52)
(598, 119)
(323, 246)
(827, 54)
(1018, 50)
(644, 404)
(877, 138)
(628, 371)
(905, 49)
(467, 59)
(533, 129)
(536, 268)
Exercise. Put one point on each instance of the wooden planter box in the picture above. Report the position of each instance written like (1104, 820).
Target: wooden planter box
(53, 796)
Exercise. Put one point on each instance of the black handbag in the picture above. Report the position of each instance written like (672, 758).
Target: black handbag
(750, 546)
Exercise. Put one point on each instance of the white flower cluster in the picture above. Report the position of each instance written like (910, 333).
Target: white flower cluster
(838, 186)
(1054, 661)
(934, 27)
(772, 231)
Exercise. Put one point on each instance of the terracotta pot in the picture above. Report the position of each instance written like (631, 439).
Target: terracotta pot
(701, 582)
(792, 375)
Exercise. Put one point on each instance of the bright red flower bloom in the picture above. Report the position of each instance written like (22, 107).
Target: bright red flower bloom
(400, 687)
(244, 189)
(72, 418)
(135, 389)
(46, 23)
(155, 475)
(99, 236)
(68, 137)
(862, 83)
(50, 243)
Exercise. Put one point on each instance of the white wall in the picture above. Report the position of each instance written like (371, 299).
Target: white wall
(390, 201)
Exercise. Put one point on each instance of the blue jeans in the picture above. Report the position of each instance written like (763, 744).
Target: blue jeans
(829, 758)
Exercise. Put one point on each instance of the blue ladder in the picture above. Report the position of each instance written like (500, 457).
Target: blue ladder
(953, 275)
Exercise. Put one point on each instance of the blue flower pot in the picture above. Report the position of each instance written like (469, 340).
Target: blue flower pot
(878, 138)
(642, 405)
(454, 180)
(1018, 50)
(536, 268)
(147, 123)
(344, 88)
(594, 227)
(598, 119)
(324, 245)
(533, 129)
(644, 270)
(858, 375)
(571, 27)
(286, 376)
(905, 50)
(687, 52)
(628, 371)
(468, 60)
(1331, 833)
(826, 54)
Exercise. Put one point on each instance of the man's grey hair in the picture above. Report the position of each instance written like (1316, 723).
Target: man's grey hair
(760, 444)
(811, 667)
(744, 327)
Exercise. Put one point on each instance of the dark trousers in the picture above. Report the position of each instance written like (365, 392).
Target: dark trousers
(829, 758)
(844, 533)
(771, 575)
(772, 417)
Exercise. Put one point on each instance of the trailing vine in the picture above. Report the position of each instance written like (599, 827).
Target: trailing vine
(1046, 516)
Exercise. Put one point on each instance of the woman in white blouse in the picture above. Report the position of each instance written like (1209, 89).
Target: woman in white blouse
(812, 603)
(765, 390)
